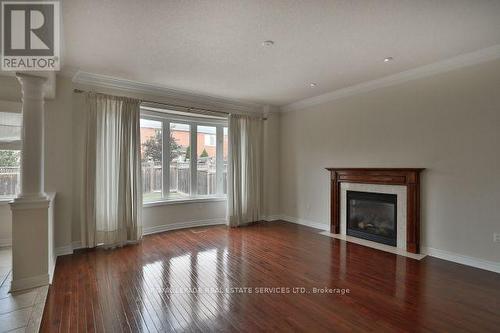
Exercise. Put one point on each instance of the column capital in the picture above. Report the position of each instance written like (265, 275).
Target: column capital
(33, 86)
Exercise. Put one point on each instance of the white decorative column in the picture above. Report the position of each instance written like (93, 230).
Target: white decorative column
(32, 160)
(30, 210)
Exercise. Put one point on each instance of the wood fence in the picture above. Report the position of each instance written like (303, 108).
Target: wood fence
(151, 179)
(180, 179)
(9, 181)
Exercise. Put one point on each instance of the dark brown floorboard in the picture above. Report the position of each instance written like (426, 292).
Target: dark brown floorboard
(150, 287)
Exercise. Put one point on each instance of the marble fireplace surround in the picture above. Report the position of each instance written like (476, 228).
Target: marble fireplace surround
(404, 182)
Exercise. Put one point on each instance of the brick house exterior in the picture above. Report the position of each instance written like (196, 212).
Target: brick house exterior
(182, 139)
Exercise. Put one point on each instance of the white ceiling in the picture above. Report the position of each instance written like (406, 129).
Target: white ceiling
(214, 47)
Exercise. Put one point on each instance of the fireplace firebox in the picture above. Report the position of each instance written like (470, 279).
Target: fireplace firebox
(372, 216)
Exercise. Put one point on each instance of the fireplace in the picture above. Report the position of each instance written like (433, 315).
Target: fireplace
(372, 216)
(407, 177)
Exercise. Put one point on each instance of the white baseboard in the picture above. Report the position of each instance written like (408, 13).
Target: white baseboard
(270, 218)
(77, 245)
(31, 282)
(182, 225)
(70, 248)
(52, 270)
(441, 254)
(63, 250)
(307, 223)
(375, 245)
(462, 259)
(5, 242)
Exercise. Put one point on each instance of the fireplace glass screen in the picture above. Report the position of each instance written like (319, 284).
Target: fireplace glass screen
(372, 216)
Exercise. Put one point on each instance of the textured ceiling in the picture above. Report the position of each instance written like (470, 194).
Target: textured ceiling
(214, 47)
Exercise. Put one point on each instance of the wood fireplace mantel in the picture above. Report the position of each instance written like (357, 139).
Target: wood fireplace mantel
(409, 177)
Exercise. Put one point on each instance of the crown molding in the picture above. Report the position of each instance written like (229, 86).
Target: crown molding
(191, 99)
(464, 60)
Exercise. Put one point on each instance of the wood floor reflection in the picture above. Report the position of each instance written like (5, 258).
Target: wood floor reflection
(200, 280)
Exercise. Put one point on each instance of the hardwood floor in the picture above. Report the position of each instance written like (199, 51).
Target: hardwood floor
(128, 289)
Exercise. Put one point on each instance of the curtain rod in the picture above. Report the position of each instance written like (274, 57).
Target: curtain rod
(207, 111)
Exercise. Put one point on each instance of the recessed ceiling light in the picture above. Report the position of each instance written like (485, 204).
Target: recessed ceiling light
(313, 84)
(268, 43)
(388, 59)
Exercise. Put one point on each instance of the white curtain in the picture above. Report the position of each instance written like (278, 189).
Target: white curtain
(112, 197)
(245, 169)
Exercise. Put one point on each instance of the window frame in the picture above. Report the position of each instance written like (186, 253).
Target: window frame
(211, 143)
(12, 107)
(193, 122)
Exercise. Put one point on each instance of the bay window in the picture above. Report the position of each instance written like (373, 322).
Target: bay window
(184, 157)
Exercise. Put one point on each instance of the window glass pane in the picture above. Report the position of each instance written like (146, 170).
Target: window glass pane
(151, 155)
(175, 170)
(206, 164)
(225, 153)
(180, 157)
(9, 173)
(10, 126)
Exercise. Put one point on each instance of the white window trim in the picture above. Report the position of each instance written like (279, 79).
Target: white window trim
(193, 121)
(12, 145)
(183, 201)
(210, 142)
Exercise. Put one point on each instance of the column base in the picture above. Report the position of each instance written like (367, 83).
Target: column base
(30, 202)
(30, 282)
(30, 242)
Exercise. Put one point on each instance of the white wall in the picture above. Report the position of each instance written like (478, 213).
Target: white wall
(163, 217)
(5, 224)
(272, 164)
(448, 123)
(59, 158)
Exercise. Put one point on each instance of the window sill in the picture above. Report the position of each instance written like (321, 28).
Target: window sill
(182, 201)
(5, 201)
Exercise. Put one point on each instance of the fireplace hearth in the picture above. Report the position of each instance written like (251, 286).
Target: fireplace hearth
(372, 216)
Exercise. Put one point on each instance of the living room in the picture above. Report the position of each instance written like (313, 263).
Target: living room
(250, 166)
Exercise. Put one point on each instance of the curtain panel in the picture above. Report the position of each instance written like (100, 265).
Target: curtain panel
(245, 169)
(112, 198)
